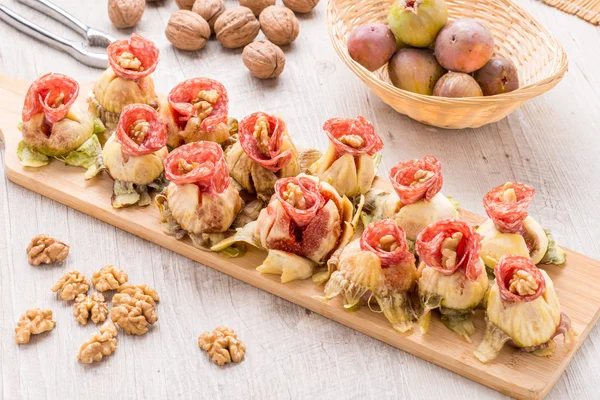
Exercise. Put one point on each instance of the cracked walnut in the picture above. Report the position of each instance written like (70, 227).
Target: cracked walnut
(90, 306)
(222, 346)
(44, 249)
(109, 278)
(33, 322)
(99, 345)
(72, 284)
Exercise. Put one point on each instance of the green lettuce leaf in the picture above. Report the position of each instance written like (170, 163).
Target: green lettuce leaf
(30, 157)
(98, 126)
(455, 203)
(554, 255)
(88, 155)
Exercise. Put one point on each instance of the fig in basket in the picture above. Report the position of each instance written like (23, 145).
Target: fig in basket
(417, 200)
(263, 154)
(54, 125)
(127, 79)
(452, 277)
(417, 22)
(351, 160)
(498, 76)
(305, 222)
(457, 84)
(415, 70)
(134, 155)
(378, 266)
(523, 310)
(371, 45)
(510, 230)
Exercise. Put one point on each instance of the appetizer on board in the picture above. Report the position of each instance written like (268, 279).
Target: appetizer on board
(523, 309)
(127, 79)
(55, 126)
(263, 154)
(452, 277)
(511, 231)
(134, 155)
(350, 162)
(378, 265)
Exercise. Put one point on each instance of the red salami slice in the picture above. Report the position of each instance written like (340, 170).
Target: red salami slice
(414, 180)
(276, 159)
(144, 50)
(506, 269)
(304, 193)
(508, 214)
(371, 240)
(53, 94)
(150, 138)
(429, 247)
(200, 163)
(337, 128)
(182, 97)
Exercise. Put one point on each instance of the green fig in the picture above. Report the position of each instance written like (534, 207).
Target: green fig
(417, 22)
(415, 70)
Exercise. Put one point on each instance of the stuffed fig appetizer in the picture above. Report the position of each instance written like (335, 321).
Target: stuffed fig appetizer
(134, 155)
(127, 79)
(55, 126)
(511, 231)
(452, 277)
(523, 310)
(378, 265)
(263, 154)
(350, 162)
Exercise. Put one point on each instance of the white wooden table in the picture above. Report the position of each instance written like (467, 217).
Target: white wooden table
(551, 143)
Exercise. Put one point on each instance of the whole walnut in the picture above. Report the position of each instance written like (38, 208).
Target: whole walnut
(125, 13)
(301, 6)
(263, 59)
(210, 10)
(236, 27)
(187, 30)
(279, 24)
(257, 6)
(185, 4)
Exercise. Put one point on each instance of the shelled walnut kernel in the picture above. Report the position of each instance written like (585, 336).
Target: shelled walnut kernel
(70, 285)
(100, 345)
(93, 306)
(109, 278)
(133, 308)
(33, 322)
(46, 250)
(222, 346)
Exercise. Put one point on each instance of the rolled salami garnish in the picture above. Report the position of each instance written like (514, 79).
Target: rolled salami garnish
(387, 241)
(261, 137)
(450, 245)
(353, 136)
(519, 279)
(507, 206)
(141, 130)
(199, 163)
(300, 197)
(53, 94)
(133, 59)
(199, 96)
(414, 180)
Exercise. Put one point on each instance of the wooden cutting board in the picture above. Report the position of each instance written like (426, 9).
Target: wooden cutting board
(513, 373)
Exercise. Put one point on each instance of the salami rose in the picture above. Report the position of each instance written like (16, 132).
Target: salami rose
(414, 180)
(353, 136)
(371, 240)
(133, 59)
(517, 274)
(430, 247)
(200, 163)
(185, 95)
(300, 197)
(53, 94)
(275, 159)
(141, 130)
(507, 206)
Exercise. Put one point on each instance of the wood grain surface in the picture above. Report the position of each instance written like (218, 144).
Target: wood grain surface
(551, 143)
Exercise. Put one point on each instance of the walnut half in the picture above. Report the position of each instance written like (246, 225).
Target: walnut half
(33, 322)
(109, 278)
(134, 308)
(72, 284)
(222, 346)
(100, 345)
(46, 250)
(93, 306)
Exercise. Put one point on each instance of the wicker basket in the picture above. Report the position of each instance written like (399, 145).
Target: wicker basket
(540, 60)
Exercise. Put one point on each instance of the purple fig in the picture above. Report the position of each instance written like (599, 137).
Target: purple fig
(456, 84)
(371, 45)
(415, 70)
(498, 76)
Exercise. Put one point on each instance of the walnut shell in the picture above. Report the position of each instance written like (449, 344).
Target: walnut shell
(279, 24)
(210, 10)
(185, 4)
(301, 6)
(263, 59)
(187, 30)
(125, 13)
(257, 6)
(236, 27)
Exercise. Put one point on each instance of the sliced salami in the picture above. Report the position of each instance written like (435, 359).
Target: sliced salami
(199, 163)
(353, 136)
(185, 95)
(414, 180)
(430, 247)
(133, 59)
(511, 282)
(300, 197)
(507, 206)
(53, 94)
(141, 130)
(275, 159)
(375, 238)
